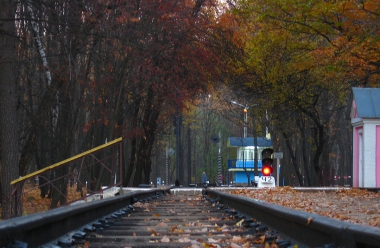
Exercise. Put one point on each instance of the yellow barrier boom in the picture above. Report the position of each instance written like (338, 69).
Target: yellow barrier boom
(66, 161)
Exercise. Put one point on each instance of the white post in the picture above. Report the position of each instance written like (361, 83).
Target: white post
(220, 160)
(278, 172)
(245, 121)
(167, 166)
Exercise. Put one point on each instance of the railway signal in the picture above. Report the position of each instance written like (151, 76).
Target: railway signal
(266, 180)
(267, 170)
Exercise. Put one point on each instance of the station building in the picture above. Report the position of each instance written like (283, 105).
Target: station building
(242, 167)
(365, 120)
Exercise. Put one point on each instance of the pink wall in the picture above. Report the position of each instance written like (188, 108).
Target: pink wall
(355, 115)
(378, 156)
(355, 176)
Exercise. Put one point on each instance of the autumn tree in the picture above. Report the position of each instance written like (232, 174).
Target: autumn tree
(93, 71)
(181, 57)
(302, 59)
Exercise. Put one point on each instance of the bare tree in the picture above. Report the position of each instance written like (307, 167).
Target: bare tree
(8, 102)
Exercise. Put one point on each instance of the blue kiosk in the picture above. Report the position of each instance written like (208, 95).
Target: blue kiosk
(243, 166)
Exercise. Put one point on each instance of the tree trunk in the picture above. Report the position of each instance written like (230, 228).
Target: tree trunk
(189, 150)
(302, 126)
(151, 129)
(131, 165)
(319, 142)
(8, 106)
(143, 164)
(293, 158)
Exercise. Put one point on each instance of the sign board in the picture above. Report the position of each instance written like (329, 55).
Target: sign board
(266, 181)
(170, 151)
(278, 155)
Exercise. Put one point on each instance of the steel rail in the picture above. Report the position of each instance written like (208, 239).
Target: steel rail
(38, 229)
(311, 229)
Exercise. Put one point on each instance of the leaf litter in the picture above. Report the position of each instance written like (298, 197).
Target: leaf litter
(346, 204)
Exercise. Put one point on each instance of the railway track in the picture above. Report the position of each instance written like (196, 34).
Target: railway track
(167, 218)
(181, 221)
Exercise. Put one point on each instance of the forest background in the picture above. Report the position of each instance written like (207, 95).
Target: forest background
(74, 74)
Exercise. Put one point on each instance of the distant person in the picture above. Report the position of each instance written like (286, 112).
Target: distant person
(204, 178)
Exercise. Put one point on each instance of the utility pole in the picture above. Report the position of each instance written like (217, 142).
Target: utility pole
(245, 110)
(178, 122)
(246, 107)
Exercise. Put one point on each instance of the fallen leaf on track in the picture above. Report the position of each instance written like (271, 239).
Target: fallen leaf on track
(345, 204)
(211, 240)
(309, 220)
(233, 245)
(238, 239)
(165, 239)
(260, 240)
(184, 240)
(162, 224)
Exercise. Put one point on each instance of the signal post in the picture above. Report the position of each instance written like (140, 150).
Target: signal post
(266, 180)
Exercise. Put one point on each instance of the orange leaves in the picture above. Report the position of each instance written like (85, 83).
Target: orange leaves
(146, 206)
(86, 244)
(86, 127)
(122, 19)
(209, 245)
(336, 42)
(238, 239)
(154, 233)
(162, 224)
(309, 220)
(351, 205)
(168, 16)
(260, 240)
(375, 222)
(33, 203)
(134, 19)
(213, 218)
